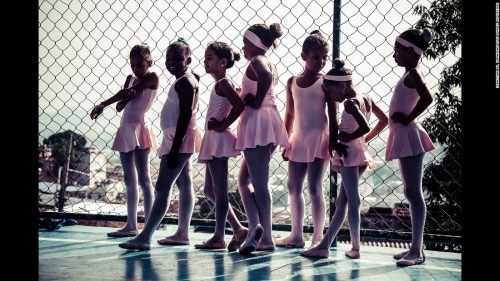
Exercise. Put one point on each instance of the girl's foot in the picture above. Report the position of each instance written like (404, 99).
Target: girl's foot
(123, 233)
(401, 255)
(316, 253)
(265, 246)
(252, 241)
(134, 244)
(410, 260)
(173, 240)
(238, 239)
(353, 254)
(290, 243)
(211, 244)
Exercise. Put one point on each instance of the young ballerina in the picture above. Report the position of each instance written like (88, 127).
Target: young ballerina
(181, 138)
(308, 129)
(354, 132)
(408, 141)
(259, 132)
(135, 137)
(218, 144)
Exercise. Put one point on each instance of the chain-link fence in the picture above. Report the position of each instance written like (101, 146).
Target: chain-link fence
(83, 60)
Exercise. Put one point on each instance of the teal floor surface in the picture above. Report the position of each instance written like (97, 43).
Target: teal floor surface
(85, 253)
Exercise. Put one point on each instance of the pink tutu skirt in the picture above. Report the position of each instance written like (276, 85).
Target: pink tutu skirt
(217, 144)
(404, 141)
(307, 146)
(357, 155)
(190, 144)
(134, 135)
(261, 127)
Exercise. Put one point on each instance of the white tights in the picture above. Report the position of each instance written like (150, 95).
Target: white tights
(348, 202)
(296, 176)
(216, 189)
(411, 170)
(136, 172)
(257, 200)
(166, 178)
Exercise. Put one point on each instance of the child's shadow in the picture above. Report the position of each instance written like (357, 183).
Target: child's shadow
(143, 263)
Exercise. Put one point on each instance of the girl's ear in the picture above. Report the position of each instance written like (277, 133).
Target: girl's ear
(343, 87)
(409, 51)
(188, 61)
(150, 63)
(223, 62)
(303, 56)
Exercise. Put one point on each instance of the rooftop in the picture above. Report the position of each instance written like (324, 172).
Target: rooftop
(82, 252)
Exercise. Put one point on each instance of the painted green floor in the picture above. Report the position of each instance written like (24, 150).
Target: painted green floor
(85, 253)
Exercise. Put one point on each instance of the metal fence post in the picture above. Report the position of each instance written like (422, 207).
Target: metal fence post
(335, 54)
(65, 175)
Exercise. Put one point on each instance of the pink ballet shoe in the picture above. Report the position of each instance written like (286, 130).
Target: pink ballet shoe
(238, 239)
(252, 241)
(135, 245)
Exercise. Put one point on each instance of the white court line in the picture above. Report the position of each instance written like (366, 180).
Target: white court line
(78, 241)
(424, 266)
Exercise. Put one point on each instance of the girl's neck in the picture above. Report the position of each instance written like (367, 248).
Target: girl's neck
(177, 76)
(307, 73)
(411, 66)
(140, 77)
(256, 54)
(351, 93)
(219, 76)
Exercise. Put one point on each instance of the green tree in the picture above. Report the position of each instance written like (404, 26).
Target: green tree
(442, 179)
(60, 144)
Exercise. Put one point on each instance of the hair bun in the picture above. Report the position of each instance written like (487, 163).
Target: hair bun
(339, 63)
(236, 56)
(428, 34)
(275, 30)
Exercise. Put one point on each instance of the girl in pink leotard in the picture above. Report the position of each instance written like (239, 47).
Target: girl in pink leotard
(308, 127)
(354, 132)
(181, 138)
(218, 145)
(408, 141)
(135, 137)
(260, 131)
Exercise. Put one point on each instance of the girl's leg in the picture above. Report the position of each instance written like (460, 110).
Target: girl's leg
(186, 203)
(296, 176)
(164, 184)
(322, 249)
(209, 192)
(411, 171)
(315, 174)
(350, 179)
(247, 195)
(258, 160)
(141, 157)
(218, 170)
(130, 179)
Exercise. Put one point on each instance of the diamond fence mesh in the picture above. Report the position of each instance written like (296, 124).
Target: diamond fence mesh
(83, 59)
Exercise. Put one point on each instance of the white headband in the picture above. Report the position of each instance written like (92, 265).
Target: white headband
(407, 44)
(252, 37)
(338, 78)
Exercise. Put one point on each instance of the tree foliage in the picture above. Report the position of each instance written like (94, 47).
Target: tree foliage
(442, 179)
(60, 147)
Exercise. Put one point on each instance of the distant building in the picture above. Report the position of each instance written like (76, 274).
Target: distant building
(107, 190)
(90, 169)
(48, 172)
(114, 172)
